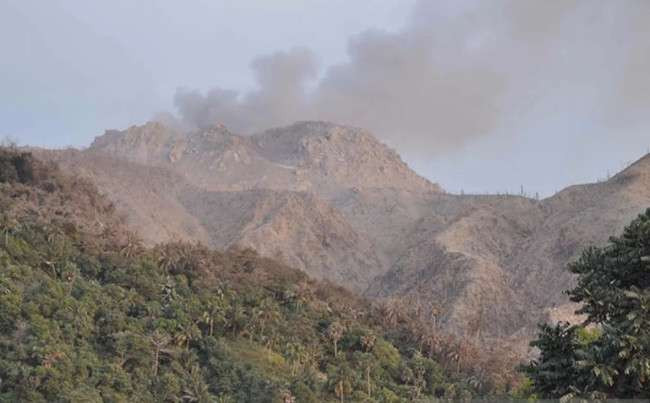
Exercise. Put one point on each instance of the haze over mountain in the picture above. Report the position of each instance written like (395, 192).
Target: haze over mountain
(465, 91)
(340, 205)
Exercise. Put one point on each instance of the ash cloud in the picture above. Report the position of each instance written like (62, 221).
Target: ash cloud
(455, 72)
(281, 96)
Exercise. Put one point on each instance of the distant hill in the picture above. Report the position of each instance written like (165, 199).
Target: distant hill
(338, 204)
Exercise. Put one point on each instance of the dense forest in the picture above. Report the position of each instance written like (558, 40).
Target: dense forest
(88, 313)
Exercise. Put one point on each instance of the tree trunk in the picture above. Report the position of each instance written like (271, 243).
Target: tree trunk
(368, 379)
(335, 349)
(155, 362)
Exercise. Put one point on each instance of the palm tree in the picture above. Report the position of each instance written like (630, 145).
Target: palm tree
(214, 313)
(340, 389)
(287, 397)
(7, 227)
(267, 313)
(168, 291)
(334, 333)
(341, 381)
(367, 362)
(368, 342)
(295, 353)
(132, 246)
(436, 312)
(237, 318)
(254, 321)
(196, 389)
(389, 312)
(167, 257)
(191, 257)
(186, 333)
(159, 342)
(432, 343)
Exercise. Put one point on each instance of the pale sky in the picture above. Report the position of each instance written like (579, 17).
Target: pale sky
(479, 96)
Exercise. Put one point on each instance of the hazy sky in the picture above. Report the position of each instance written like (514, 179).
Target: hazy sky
(476, 95)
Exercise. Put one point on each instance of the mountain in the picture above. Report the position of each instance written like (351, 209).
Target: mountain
(88, 313)
(308, 156)
(340, 205)
(271, 192)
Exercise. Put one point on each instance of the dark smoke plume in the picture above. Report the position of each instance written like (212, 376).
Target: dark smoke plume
(457, 70)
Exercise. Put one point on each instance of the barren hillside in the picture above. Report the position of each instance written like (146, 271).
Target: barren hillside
(338, 204)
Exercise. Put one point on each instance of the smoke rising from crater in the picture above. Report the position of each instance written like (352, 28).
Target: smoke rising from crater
(455, 72)
(281, 97)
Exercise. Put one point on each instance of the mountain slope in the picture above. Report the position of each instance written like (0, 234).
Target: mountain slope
(89, 314)
(295, 227)
(505, 257)
(340, 205)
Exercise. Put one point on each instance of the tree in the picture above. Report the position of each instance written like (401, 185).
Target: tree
(296, 354)
(555, 372)
(159, 342)
(214, 311)
(185, 333)
(196, 389)
(368, 342)
(167, 256)
(132, 245)
(340, 379)
(614, 290)
(366, 362)
(266, 312)
(334, 333)
(7, 227)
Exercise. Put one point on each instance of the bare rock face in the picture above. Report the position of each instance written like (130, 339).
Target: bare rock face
(328, 158)
(338, 204)
(148, 144)
(309, 156)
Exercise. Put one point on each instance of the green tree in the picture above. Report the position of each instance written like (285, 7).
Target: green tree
(555, 372)
(215, 311)
(614, 290)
